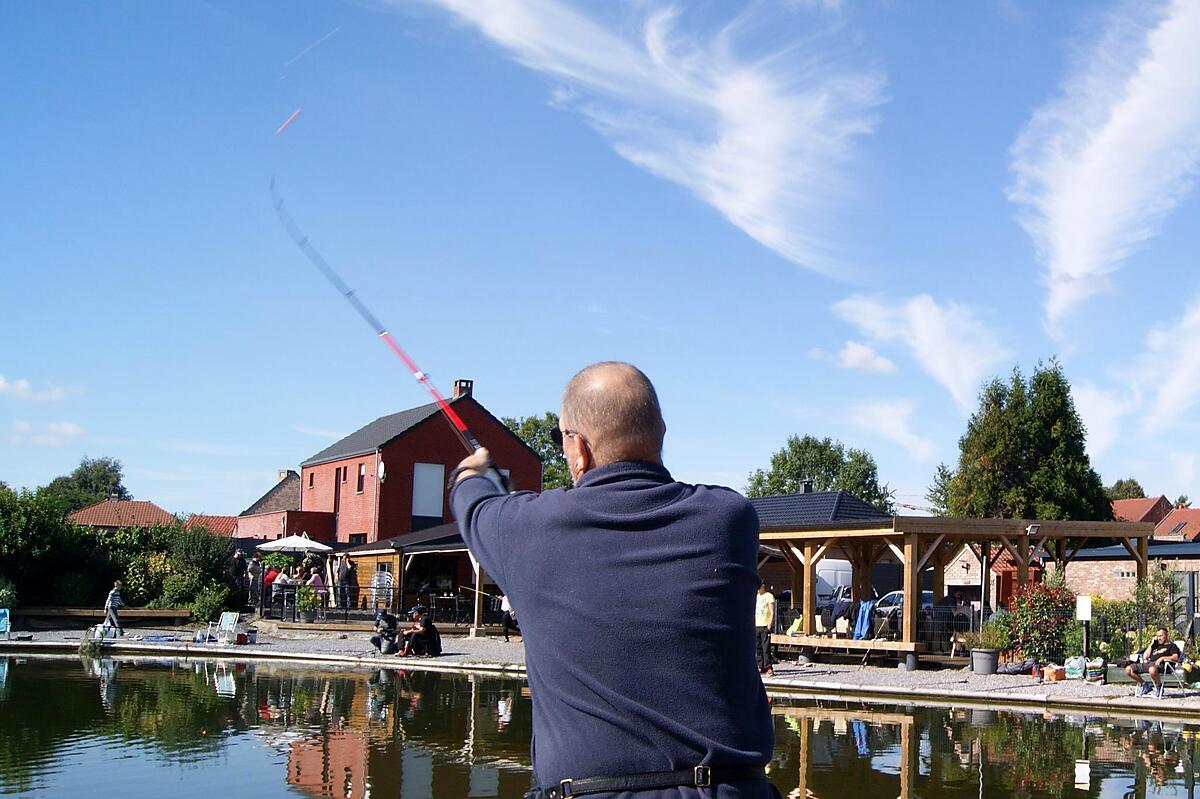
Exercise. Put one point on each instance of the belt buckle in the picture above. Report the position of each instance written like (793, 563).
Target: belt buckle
(564, 789)
(702, 776)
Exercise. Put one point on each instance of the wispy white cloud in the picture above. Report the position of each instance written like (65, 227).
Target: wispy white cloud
(761, 139)
(22, 389)
(949, 343)
(52, 434)
(317, 432)
(892, 420)
(1170, 370)
(1102, 411)
(858, 356)
(1098, 166)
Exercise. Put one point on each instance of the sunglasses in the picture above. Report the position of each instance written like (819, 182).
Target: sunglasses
(557, 434)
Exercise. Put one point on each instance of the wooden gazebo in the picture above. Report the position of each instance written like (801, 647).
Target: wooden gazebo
(921, 542)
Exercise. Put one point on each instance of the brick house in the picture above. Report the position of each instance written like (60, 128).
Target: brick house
(1180, 524)
(277, 514)
(114, 514)
(1143, 509)
(389, 477)
(1109, 572)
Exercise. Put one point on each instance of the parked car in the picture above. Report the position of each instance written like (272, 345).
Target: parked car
(890, 604)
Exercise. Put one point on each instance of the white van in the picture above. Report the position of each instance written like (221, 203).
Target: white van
(832, 574)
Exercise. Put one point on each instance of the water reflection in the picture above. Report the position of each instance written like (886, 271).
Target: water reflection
(212, 729)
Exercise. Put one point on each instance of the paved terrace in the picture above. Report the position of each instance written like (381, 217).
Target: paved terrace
(886, 685)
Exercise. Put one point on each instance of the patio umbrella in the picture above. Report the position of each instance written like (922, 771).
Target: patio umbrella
(294, 543)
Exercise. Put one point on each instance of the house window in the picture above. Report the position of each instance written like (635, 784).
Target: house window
(383, 566)
(362, 476)
(1121, 573)
(310, 479)
(343, 470)
(358, 538)
(429, 491)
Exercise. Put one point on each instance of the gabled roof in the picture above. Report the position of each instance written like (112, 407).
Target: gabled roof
(285, 495)
(221, 525)
(1183, 522)
(1136, 510)
(122, 513)
(376, 434)
(792, 510)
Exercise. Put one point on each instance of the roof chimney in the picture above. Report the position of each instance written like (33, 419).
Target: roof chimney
(806, 487)
(462, 388)
(281, 475)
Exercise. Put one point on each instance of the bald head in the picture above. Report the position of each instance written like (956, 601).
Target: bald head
(614, 406)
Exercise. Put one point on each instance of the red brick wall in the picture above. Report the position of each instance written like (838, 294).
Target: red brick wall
(1101, 578)
(431, 441)
(318, 525)
(434, 441)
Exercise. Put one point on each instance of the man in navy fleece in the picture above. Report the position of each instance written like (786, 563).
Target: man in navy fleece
(637, 598)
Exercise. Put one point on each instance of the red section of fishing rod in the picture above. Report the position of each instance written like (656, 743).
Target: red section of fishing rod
(460, 428)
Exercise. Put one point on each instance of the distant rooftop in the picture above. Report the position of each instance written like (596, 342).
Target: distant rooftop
(375, 435)
(122, 513)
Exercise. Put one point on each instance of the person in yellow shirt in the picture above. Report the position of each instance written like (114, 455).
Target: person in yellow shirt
(764, 622)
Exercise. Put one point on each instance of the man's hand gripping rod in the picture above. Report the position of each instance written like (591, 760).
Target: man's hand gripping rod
(465, 436)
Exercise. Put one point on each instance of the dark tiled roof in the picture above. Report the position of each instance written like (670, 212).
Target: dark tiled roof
(285, 495)
(795, 510)
(1170, 550)
(221, 525)
(122, 513)
(408, 540)
(375, 435)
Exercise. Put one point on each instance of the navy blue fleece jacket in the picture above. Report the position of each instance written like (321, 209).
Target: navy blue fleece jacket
(635, 595)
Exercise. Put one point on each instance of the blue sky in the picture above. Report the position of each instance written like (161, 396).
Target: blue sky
(835, 218)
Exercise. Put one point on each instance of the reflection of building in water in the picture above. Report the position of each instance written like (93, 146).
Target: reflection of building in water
(333, 765)
(398, 735)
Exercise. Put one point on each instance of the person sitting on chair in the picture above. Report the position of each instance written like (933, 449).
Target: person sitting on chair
(1161, 657)
(423, 638)
(384, 639)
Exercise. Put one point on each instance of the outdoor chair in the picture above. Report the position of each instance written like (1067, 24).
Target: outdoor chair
(5, 625)
(226, 627)
(1177, 675)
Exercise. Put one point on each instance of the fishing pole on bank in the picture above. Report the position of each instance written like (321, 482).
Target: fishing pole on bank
(297, 235)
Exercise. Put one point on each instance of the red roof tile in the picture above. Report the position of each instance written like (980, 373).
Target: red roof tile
(1133, 510)
(121, 513)
(1180, 522)
(221, 525)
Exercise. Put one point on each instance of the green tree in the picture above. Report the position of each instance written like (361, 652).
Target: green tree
(535, 431)
(938, 494)
(92, 480)
(828, 464)
(1023, 455)
(1183, 501)
(1129, 488)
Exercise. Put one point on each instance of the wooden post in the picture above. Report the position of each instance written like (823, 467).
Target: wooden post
(912, 588)
(810, 587)
(1022, 559)
(985, 580)
(1143, 558)
(476, 627)
(939, 574)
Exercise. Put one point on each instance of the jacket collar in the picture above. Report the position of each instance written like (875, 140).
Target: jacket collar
(625, 470)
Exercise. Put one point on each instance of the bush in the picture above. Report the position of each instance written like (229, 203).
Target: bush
(278, 560)
(8, 593)
(180, 588)
(306, 598)
(74, 589)
(1041, 615)
(197, 551)
(993, 635)
(143, 581)
(209, 602)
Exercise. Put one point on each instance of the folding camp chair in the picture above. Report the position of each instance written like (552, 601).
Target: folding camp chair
(226, 627)
(1177, 675)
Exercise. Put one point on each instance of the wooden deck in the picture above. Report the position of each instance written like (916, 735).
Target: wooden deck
(126, 614)
(829, 642)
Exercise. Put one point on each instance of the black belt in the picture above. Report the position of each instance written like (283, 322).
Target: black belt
(698, 777)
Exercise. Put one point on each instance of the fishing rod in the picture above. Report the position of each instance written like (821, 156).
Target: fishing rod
(465, 436)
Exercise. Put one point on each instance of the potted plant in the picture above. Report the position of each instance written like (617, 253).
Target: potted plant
(306, 603)
(986, 646)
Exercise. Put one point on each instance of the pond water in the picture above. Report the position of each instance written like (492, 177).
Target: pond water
(145, 728)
